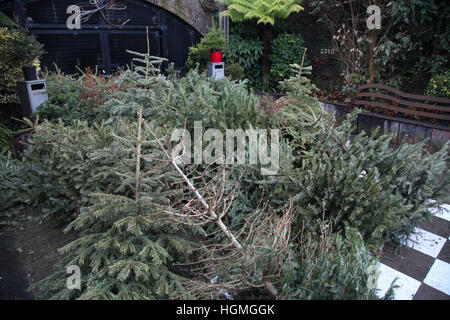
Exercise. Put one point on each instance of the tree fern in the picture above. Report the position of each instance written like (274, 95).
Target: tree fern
(265, 12)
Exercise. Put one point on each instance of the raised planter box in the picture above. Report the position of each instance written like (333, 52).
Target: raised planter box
(404, 130)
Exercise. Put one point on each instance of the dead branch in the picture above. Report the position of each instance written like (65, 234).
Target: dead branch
(263, 229)
(93, 6)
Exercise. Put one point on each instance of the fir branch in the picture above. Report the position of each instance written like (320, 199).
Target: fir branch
(213, 216)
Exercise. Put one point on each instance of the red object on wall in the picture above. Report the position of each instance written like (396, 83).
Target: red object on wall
(216, 56)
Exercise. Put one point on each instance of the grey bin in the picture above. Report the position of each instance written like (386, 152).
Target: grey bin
(32, 94)
(216, 70)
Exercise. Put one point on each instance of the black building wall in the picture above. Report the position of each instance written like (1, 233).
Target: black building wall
(99, 43)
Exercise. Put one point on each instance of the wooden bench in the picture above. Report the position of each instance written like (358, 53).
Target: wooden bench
(391, 99)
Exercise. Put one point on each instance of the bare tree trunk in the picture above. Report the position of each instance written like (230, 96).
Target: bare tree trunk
(267, 36)
(138, 159)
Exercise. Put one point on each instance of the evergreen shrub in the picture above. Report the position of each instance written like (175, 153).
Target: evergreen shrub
(287, 49)
(199, 55)
(439, 86)
(17, 49)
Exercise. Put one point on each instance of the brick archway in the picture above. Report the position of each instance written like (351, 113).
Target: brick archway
(191, 11)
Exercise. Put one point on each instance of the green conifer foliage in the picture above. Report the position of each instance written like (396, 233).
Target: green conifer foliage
(104, 176)
(67, 160)
(15, 181)
(220, 104)
(330, 266)
(126, 247)
(364, 183)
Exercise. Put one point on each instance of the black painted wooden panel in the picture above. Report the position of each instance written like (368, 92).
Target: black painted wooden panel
(53, 11)
(103, 44)
(406, 133)
(119, 43)
(364, 124)
(70, 50)
(179, 36)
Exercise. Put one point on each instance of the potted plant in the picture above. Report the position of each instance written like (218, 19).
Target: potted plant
(215, 42)
(27, 50)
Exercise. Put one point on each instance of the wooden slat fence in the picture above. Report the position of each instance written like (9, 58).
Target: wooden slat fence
(381, 97)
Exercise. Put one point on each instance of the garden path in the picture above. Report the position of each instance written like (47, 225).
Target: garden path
(422, 265)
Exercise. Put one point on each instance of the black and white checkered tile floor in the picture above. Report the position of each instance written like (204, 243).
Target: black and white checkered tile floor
(423, 264)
